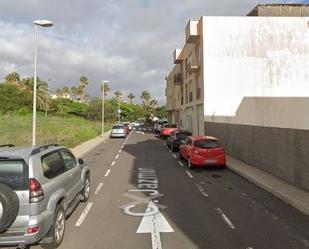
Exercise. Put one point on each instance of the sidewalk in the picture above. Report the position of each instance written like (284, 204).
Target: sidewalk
(294, 196)
(84, 148)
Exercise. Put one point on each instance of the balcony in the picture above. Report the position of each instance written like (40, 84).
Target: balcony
(193, 67)
(177, 56)
(192, 32)
(178, 80)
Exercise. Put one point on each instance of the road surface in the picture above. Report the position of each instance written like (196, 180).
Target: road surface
(144, 197)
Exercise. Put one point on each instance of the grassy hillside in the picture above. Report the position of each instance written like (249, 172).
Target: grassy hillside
(69, 131)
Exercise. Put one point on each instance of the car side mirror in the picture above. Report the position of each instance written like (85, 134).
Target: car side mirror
(81, 161)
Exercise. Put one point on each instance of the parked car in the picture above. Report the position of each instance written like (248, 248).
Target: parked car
(167, 130)
(174, 140)
(39, 187)
(118, 130)
(137, 124)
(127, 127)
(158, 125)
(202, 151)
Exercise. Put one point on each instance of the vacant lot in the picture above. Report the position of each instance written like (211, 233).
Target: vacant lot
(66, 131)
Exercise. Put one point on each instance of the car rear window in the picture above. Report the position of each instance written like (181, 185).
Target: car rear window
(14, 173)
(183, 136)
(170, 126)
(207, 143)
(116, 127)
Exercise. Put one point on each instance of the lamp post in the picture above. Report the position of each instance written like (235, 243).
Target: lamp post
(103, 100)
(45, 24)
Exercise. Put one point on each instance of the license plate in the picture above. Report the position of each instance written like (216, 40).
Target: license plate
(210, 161)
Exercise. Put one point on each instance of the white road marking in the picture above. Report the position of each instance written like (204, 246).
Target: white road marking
(180, 163)
(200, 188)
(189, 174)
(165, 144)
(84, 214)
(107, 172)
(170, 151)
(113, 163)
(98, 188)
(225, 218)
(154, 224)
(117, 156)
(119, 151)
(174, 156)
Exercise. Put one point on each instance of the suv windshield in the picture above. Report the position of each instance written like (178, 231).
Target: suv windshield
(13, 173)
(207, 143)
(115, 127)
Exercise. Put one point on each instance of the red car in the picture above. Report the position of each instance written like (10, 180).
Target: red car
(202, 151)
(167, 130)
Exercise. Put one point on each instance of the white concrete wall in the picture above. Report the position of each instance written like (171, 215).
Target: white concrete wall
(253, 56)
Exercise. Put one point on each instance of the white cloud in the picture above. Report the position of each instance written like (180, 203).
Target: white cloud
(129, 43)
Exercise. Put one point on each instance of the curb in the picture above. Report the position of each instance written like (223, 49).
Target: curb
(82, 149)
(290, 194)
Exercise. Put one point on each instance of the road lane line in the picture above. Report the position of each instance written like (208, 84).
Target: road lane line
(225, 218)
(174, 156)
(200, 188)
(83, 215)
(189, 174)
(117, 156)
(120, 151)
(98, 188)
(170, 151)
(113, 163)
(180, 163)
(107, 172)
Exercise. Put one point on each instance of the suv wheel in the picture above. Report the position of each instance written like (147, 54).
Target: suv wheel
(56, 232)
(9, 204)
(86, 189)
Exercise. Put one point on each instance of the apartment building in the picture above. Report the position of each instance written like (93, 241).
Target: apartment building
(245, 81)
(184, 84)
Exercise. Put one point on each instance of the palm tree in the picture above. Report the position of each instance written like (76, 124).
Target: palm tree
(83, 81)
(118, 95)
(74, 91)
(153, 103)
(43, 97)
(145, 96)
(66, 91)
(105, 88)
(131, 97)
(59, 92)
(13, 78)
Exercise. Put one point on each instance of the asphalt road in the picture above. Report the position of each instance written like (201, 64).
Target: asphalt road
(206, 208)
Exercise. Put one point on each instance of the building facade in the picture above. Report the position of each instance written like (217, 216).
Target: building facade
(184, 84)
(252, 79)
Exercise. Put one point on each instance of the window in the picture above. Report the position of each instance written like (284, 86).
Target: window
(183, 136)
(189, 141)
(14, 173)
(207, 144)
(69, 159)
(52, 165)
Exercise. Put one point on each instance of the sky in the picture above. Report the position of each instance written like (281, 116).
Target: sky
(127, 42)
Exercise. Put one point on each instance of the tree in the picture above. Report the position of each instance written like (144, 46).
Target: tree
(66, 90)
(13, 78)
(131, 97)
(74, 91)
(105, 88)
(145, 96)
(59, 92)
(118, 95)
(43, 97)
(83, 81)
(153, 103)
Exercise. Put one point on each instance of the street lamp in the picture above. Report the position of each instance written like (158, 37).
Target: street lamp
(103, 100)
(45, 24)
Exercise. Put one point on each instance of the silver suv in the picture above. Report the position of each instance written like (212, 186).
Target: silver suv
(39, 188)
